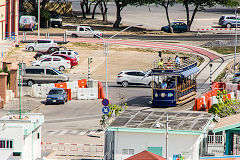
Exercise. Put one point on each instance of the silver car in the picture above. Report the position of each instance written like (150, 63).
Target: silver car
(229, 21)
(236, 78)
(40, 45)
(136, 77)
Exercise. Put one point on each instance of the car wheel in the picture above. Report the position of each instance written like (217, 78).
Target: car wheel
(61, 68)
(228, 25)
(31, 49)
(30, 83)
(152, 84)
(74, 36)
(238, 82)
(125, 83)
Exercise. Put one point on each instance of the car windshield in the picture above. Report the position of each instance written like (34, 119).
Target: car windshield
(57, 71)
(53, 92)
(76, 53)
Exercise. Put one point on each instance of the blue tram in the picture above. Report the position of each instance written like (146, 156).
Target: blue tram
(178, 85)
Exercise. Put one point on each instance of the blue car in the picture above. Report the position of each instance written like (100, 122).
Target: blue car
(177, 27)
(56, 95)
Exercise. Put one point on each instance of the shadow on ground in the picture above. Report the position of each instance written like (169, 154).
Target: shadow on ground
(140, 101)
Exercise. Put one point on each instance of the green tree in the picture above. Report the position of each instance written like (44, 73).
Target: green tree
(120, 4)
(201, 4)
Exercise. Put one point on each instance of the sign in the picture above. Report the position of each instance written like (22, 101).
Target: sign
(105, 102)
(105, 110)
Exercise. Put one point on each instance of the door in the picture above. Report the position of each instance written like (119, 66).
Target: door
(51, 76)
(57, 62)
(46, 62)
(132, 77)
(88, 32)
(141, 79)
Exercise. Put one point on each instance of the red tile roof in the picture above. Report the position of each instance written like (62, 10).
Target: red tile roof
(145, 155)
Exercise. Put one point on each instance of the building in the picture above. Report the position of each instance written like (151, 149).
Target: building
(136, 130)
(8, 19)
(21, 138)
(3, 9)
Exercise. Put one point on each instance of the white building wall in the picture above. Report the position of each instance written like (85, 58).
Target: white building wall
(27, 148)
(15, 134)
(187, 145)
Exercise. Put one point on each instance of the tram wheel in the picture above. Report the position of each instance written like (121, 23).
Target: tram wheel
(125, 83)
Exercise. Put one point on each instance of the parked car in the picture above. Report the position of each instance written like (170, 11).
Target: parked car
(41, 45)
(136, 77)
(49, 51)
(177, 27)
(67, 52)
(56, 95)
(39, 74)
(73, 60)
(28, 23)
(84, 31)
(53, 61)
(236, 78)
(55, 19)
(228, 21)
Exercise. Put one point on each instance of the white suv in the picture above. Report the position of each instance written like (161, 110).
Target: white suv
(53, 61)
(40, 45)
(65, 52)
(136, 77)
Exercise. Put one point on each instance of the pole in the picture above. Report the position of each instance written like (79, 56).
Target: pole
(20, 89)
(235, 48)
(210, 78)
(88, 68)
(106, 54)
(167, 138)
(38, 19)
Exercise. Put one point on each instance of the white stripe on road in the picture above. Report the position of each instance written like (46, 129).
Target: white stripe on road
(82, 133)
(73, 132)
(52, 132)
(62, 132)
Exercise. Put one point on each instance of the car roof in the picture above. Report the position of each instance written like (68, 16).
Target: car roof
(133, 71)
(38, 67)
(57, 89)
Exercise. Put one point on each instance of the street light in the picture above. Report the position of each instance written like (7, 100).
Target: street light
(106, 49)
(38, 18)
(235, 47)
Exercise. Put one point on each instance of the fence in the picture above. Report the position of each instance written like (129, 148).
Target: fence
(216, 145)
(84, 150)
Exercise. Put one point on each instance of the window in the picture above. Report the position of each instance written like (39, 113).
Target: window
(128, 151)
(140, 74)
(6, 144)
(69, 53)
(55, 53)
(76, 53)
(155, 150)
(56, 59)
(63, 53)
(47, 60)
(81, 29)
(50, 72)
(34, 71)
(131, 73)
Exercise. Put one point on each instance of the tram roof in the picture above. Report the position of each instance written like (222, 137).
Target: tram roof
(187, 122)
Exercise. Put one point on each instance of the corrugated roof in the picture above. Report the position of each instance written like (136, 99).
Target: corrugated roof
(227, 123)
(184, 121)
(145, 155)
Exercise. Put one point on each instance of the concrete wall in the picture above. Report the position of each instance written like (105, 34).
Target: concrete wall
(11, 133)
(2, 19)
(187, 145)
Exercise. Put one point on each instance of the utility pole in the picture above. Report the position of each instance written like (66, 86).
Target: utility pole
(89, 62)
(20, 89)
(167, 138)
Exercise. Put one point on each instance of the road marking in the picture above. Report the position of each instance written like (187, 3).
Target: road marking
(73, 132)
(82, 133)
(62, 132)
(52, 132)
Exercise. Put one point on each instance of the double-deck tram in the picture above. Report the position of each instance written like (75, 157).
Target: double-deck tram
(180, 82)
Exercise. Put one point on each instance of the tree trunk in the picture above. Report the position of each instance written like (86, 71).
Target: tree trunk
(87, 7)
(168, 19)
(187, 12)
(119, 18)
(82, 7)
(94, 9)
(105, 10)
(193, 15)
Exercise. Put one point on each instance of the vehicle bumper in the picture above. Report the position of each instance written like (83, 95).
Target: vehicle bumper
(52, 101)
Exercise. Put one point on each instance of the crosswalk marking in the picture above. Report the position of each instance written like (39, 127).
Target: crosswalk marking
(73, 132)
(62, 132)
(53, 132)
(82, 133)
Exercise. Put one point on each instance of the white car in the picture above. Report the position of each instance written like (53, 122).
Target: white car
(40, 45)
(65, 52)
(136, 77)
(84, 31)
(53, 61)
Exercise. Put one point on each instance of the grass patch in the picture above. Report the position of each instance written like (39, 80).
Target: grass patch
(224, 50)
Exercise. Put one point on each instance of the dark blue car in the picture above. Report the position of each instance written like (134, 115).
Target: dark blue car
(177, 27)
(56, 95)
